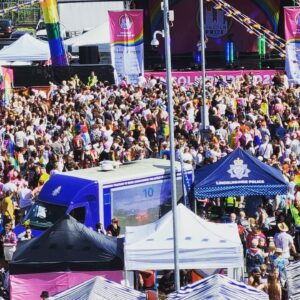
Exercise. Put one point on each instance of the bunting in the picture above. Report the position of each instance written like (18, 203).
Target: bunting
(272, 40)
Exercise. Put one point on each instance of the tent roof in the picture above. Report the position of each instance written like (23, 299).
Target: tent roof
(293, 280)
(26, 48)
(97, 36)
(218, 287)
(68, 246)
(99, 288)
(238, 174)
(201, 244)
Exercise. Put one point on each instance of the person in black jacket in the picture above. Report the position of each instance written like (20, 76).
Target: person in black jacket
(113, 229)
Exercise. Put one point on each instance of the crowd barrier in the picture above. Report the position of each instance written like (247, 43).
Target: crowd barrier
(25, 76)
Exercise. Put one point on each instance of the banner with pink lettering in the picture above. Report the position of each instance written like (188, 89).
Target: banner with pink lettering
(292, 35)
(127, 44)
(187, 78)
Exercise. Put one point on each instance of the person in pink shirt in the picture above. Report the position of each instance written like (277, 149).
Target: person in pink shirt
(255, 234)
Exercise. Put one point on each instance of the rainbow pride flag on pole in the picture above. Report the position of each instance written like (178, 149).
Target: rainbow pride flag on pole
(51, 18)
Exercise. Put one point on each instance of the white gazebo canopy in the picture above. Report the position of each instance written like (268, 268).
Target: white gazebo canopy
(202, 244)
(25, 49)
(99, 36)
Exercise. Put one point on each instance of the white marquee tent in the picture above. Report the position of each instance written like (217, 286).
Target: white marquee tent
(99, 36)
(99, 288)
(26, 48)
(201, 244)
(218, 287)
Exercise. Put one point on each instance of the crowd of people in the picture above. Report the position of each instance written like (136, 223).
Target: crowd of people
(76, 125)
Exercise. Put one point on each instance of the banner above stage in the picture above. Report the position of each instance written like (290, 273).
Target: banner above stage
(292, 35)
(127, 44)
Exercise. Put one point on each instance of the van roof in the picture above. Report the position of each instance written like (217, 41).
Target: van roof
(132, 170)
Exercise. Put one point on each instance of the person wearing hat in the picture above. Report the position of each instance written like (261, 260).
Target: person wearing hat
(284, 240)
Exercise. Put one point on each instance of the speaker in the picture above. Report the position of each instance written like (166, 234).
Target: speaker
(88, 55)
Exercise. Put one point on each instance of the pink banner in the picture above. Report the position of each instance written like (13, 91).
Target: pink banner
(126, 27)
(7, 78)
(292, 23)
(186, 78)
(127, 44)
(30, 286)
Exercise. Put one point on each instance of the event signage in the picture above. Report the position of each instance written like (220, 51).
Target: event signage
(127, 44)
(263, 76)
(7, 79)
(292, 36)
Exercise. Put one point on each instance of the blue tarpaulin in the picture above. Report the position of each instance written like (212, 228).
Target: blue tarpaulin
(239, 174)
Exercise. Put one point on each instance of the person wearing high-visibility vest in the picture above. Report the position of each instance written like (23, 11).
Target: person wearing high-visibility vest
(231, 203)
(295, 211)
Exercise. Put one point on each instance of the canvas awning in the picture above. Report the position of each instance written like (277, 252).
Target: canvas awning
(239, 174)
(218, 287)
(26, 48)
(202, 244)
(100, 288)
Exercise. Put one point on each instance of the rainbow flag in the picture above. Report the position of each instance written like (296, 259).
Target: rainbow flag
(297, 180)
(50, 13)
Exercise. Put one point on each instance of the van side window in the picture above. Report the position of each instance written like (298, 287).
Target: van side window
(79, 214)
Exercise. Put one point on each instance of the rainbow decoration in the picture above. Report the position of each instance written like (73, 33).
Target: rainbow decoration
(51, 18)
(130, 42)
(269, 7)
(271, 10)
(297, 179)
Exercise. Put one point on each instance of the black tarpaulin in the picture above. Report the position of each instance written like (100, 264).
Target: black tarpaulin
(68, 246)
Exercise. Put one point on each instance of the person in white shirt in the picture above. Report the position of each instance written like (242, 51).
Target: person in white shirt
(152, 82)
(284, 241)
(266, 149)
(142, 82)
(25, 198)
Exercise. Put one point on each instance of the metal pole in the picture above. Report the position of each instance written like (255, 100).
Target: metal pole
(204, 117)
(172, 144)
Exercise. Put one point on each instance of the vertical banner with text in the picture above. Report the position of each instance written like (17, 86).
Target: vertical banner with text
(292, 36)
(127, 44)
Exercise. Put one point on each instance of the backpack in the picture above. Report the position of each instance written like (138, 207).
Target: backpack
(78, 142)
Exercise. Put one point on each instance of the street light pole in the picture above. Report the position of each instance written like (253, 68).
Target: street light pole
(204, 117)
(172, 144)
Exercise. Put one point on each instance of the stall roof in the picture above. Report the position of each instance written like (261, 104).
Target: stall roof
(218, 287)
(100, 288)
(26, 48)
(239, 174)
(68, 246)
(202, 244)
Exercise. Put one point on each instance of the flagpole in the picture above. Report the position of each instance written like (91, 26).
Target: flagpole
(172, 143)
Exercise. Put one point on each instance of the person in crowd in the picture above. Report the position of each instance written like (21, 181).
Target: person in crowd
(284, 241)
(113, 229)
(7, 207)
(255, 234)
(146, 280)
(272, 287)
(254, 257)
(9, 240)
(100, 228)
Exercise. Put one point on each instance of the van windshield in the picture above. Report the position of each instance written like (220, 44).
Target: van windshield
(43, 215)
